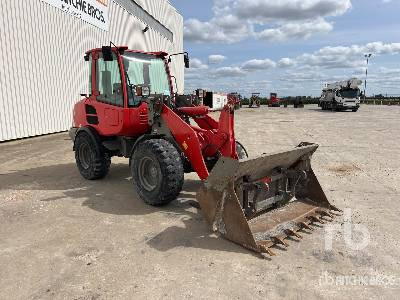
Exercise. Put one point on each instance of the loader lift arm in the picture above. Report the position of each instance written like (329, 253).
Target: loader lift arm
(208, 139)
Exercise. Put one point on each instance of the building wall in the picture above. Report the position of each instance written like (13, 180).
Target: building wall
(42, 71)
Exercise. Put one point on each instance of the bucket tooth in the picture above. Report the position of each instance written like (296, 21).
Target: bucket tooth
(325, 213)
(280, 241)
(270, 252)
(267, 250)
(334, 208)
(291, 232)
(305, 225)
(316, 219)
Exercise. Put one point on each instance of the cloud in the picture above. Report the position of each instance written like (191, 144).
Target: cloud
(286, 62)
(289, 10)
(235, 20)
(302, 76)
(227, 29)
(388, 71)
(241, 70)
(298, 30)
(346, 57)
(228, 72)
(258, 64)
(216, 59)
(197, 64)
(381, 48)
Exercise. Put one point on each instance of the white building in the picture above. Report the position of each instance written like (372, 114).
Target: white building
(43, 42)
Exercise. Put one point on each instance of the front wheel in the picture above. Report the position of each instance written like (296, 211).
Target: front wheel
(354, 109)
(157, 171)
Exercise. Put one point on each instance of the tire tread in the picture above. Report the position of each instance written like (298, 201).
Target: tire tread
(171, 168)
(102, 162)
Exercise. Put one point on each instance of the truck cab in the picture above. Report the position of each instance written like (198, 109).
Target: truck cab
(343, 95)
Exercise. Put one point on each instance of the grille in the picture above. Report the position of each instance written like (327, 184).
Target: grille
(143, 119)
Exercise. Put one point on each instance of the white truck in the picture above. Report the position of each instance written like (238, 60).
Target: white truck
(341, 95)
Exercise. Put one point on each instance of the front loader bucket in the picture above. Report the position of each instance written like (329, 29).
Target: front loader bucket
(260, 202)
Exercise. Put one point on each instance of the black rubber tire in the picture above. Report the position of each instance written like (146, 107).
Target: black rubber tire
(98, 165)
(354, 110)
(170, 175)
(241, 151)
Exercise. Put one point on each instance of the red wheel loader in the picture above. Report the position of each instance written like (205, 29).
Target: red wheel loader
(132, 112)
(274, 101)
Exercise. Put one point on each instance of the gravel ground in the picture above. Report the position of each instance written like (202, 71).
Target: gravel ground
(62, 237)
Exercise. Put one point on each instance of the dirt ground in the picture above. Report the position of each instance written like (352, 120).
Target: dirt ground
(62, 237)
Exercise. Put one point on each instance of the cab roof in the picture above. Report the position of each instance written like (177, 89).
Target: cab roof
(126, 49)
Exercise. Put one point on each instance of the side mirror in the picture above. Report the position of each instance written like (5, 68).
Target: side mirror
(86, 57)
(107, 53)
(187, 60)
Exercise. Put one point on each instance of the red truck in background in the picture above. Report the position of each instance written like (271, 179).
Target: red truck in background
(274, 101)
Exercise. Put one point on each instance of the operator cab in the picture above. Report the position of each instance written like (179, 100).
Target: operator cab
(143, 74)
(126, 89)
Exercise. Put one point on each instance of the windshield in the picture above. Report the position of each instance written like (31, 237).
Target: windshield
(145, 70)
(350, 94)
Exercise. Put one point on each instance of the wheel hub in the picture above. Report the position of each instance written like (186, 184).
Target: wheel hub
(85, 156)
(148, 173)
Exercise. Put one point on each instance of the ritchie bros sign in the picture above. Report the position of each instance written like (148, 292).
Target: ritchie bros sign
(94, 12)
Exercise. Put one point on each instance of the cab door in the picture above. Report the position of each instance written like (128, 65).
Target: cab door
(109, 95)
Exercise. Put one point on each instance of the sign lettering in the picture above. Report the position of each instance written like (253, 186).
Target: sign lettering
(94, 12)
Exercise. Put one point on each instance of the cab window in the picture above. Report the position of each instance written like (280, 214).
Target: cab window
(89, 68)
(108, 79)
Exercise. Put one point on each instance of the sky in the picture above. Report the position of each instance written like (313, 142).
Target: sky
(292, 47)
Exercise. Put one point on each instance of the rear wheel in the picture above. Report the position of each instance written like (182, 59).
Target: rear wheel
(92, 161)
(354, 110)
(157, 171)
